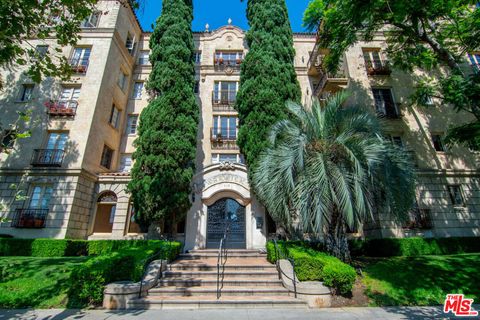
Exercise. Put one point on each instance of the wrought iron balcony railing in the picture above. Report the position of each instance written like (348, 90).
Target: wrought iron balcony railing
(79, 65)
(227, 65)
(380, 68)
(224, 139)
(30, 218)
(65, 108)
(48, 157)
(223, 100)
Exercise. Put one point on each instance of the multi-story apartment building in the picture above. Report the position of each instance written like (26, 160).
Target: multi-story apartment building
(74, 169)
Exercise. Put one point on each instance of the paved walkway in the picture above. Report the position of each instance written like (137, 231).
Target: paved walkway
(234, 314)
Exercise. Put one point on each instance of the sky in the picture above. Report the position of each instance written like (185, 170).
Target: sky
(217, 12)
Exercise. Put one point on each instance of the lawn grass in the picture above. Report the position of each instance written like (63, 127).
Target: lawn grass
(35, 282)
(423, 280)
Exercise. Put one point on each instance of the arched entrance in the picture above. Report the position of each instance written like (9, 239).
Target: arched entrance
(106, 207)
(226, 212)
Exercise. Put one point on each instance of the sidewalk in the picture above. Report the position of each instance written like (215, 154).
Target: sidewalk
(234, 314)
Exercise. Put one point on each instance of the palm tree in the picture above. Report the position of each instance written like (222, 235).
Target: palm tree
(329, 167)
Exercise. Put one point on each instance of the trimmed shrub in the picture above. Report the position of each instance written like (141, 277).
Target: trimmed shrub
(88, 281)
(414, 246)
(340, 276)
(313, 265)
(72, 248)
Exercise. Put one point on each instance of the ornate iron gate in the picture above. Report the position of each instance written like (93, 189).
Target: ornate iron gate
(226, 211)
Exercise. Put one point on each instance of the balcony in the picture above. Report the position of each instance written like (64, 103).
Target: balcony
(331, 82)
(30, 218)
(224, 139)
(61, 108)
(229, 66)
(378, 68)
(79, 66)
(224, 100)
(48, 157)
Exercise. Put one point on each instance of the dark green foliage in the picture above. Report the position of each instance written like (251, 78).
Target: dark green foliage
(313, 265)
(267, 78)
(416, 246)
(165, 149)
(71, 248)
(88, 281)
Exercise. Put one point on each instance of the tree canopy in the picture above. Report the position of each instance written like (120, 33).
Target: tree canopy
(267, 78)
(165, 148)
(329, 167)
(431, 34)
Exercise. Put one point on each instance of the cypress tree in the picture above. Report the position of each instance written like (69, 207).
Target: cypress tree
(165, 148)
(267, 77)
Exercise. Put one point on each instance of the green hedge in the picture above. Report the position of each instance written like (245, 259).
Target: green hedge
(88, 281)
(414, 246)
(313, 265)
(72, 248)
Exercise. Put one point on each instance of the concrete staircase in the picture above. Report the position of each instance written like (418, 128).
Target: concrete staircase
(190, 283)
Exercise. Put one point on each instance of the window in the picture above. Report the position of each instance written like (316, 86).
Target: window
(144, 58)
(80, 57)
(41, 51)
(130, 44)
(92, 20)
(40, 196)
(26, 92)
(198, 57)
(125, 163)
(132, 124)
(122, 80)
(384, 104)
(114, 117)
(456, 196)
(107, 156)
(225, 157)
(57, 140)
(70, 93)
(418, 218)
(8, 139)
(225, 127)
(137, 90)
(196, 89)
(438, 143)
(474, 61)
(225, 92)
(374, 63)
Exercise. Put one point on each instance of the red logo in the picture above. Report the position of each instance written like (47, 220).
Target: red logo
(459, 306)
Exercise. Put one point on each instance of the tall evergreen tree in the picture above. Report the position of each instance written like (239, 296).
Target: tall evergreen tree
(267, 78)
(165, 149)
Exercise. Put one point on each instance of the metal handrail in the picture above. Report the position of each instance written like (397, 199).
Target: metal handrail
(152, 258)
(222, 260)
(280, 271)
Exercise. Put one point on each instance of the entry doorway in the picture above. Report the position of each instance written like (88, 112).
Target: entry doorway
(225, 213)
(106, 207)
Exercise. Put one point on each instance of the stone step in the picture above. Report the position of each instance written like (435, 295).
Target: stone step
(254, 251)
(213, 267)
(228, 274)
(199, 302)
(239, 282)
(212, 290)
(201, 255)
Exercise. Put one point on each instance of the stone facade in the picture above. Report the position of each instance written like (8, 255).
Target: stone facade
(81, 194)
